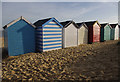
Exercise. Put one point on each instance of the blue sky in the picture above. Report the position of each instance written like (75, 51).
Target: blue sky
(77, 11)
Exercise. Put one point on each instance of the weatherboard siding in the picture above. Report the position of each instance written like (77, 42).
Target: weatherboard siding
(82, 35)
(112, 33)
(119, 32)
(105, 33)
(70, 36)
(116, 33)
(21, 38)
(49, 37)
(96, 33)
(107, 30)
(102, 34)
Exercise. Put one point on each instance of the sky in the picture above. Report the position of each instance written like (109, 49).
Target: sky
(62, 11)
(60, 0)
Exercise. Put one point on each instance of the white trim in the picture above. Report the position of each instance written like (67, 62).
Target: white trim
(18, 20)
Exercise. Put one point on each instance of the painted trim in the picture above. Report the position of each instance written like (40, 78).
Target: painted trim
(51, 38)
(52, 24)
(49, 31)
(48, 43)
(51, 28)
(97, 23)
(50, 21)
(20, 18)
(52, 47)
(52, 44)
(52, 41)
(49, 34)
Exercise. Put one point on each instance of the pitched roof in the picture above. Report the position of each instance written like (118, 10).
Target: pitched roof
(119, 26)
(67, 23)
(113, 25)
(80, 24)
(89, 23)
(41, 22)
(104, 24)
(45, 21)
(14, 21)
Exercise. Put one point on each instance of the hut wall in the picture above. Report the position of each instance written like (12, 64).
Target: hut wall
(107, 30)
(102, 34)
(116, 33)
(112, 33)
(39, 39)
(82, 35)
(21, 38)
(51, 37)
(5, 39)
(119, 32)
(70, 36)
(96, 33)
(90, 34)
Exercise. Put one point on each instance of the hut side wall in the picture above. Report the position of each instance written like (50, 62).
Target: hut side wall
(70, 36)
(21, 38)
(39, 39)
(5, 39)
(102, 34)
(116, 33)
(112, 33)
(96, 33)
(82, 35)
(119, 32)
(90, 34)
(107, 30)
(52, 36)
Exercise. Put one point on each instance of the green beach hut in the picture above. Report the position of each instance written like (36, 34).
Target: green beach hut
(105, 32)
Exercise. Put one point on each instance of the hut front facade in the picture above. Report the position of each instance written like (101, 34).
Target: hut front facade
(82, 33)
(105, 32)
(48, 35)
(93, 31)
(114, 32)
(19, 37)
(69, 34)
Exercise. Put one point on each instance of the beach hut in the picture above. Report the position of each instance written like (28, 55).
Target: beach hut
(93, 31)
(119, 31)
(69, 34)
(82, 33)
(114, 32)
(19, 37)
(48, 34)
(105, 32)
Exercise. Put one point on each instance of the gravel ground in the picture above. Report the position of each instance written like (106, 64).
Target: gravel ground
(97, 61)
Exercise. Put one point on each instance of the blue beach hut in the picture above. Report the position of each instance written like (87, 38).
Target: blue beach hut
(19, 37)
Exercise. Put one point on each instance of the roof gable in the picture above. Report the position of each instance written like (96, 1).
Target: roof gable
(67, 23)
(44, 22)
(14, 21)
(105, 24)
(82, 24)
(113, 25)
(91, 23)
